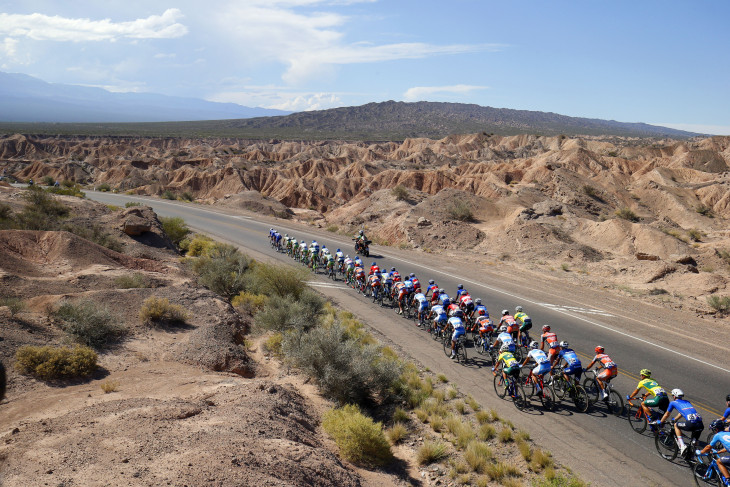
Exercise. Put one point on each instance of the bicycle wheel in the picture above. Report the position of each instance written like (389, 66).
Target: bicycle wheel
(499, 387)
(665, 444)
(580, 398)
(592, 389)
(637, 418)
(447, 346)
(560, 386)
(615, 403)
(528, 386)
(704, 475)
(548, 399)
(434, 332)
(518, 395)
(461, 352)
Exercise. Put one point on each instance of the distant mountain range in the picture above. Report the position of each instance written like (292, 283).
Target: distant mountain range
(398, 120)
(42, 107)
(24, 98)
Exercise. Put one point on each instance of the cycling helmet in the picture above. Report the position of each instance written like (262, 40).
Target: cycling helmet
(599, 349)
(347, 256)
(677, 393)
(478, 301)
(564, 344)
(430, 281)
(438, 291)
(717, 425)
(645, 372)
(375, 263)
(534, 344)
(504, 348)
(392, 269)
(360, 233)
(505, 312)
(546, 328)
(411, 275)
(727, 398)
(338, 250)
(503, 328)
(286, 235)
(518, 309)
(460, 286)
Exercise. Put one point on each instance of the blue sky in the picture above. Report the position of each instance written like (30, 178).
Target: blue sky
(663, 62)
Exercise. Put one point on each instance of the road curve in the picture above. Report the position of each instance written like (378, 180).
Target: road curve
(600, 447)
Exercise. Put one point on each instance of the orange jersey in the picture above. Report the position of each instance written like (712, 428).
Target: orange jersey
(551, 339)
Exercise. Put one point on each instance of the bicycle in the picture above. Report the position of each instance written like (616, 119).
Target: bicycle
(547, 395)
(331, 272)
(614, 401)
(482, 344)
(667, 445)
(709, 473)
(572, 389)
(637, 418)
(512, 387)
(459, 348)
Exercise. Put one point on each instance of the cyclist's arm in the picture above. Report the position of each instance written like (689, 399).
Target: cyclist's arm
(590, 365)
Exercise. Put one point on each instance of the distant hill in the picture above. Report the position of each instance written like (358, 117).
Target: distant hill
(399, 120)
(27, 99)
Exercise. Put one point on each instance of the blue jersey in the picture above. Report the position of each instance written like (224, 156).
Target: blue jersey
(727, 414)
(409, 285)
(723, 437)
(479, 308)
(686, 409)
(569, 355)
(444, 300)
(439, 313)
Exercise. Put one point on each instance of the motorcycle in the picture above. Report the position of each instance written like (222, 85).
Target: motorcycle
(362, 247)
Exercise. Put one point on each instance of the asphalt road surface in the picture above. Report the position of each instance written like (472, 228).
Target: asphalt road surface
(601, 448)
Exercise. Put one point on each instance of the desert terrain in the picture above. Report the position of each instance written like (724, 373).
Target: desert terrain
(646, 217)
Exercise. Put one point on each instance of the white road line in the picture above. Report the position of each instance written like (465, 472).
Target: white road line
(326, 284)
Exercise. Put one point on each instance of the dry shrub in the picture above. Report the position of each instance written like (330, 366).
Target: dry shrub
(199, 245)
(436, 422)
(109, 386)
(478, 455)
(460, 407)
(627, 214)
(51, 363)
(442, 378)
(15, 305)
(400, 192)
(487, 432)
(298, 315)
(278, 280)
(249, 302)
(400, 415)
(473, 404)
(273, 344)
(359, 438)
(89, 323)
(483, 417)
(431, 452)
(540, 460)
(175, 228)
(222, 270)
(505, 435)
(132, 281)
(156, 310)
(396, 433)
(501, 470)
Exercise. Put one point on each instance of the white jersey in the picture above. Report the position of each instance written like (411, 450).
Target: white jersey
(420, 297)
(538, 356)
(505, 338)
(456, 323)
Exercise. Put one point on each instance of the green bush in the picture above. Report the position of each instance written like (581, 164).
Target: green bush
(130, 204)
(461, 211)
(346, 371)
(132, 281)
(400, 192)
(359, 438)
(694, 234)
(627, 214)
(199, 245)
(42, 211)
(104, 187)
(278, 280)
(705, 211)
(50, 363)
(223, 270)
(273, 344)
(73, 190)
(156, 310)
(89, 323)
(249, 302)
(15, 305)
(48, 180)
(285, 315)
(175, 228)
(719, 303)
(187, 196)
(168, 195)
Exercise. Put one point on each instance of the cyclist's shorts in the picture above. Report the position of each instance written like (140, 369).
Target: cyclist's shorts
(575, 371)
(457, 333)
(526, 326)
(685, 425)
(661, 402)
(442, 318)
(423, 306)
(513, 371)
(541, 369)
(725, 460)
(512, 328)
(512, 348)
(607, 374)
(401, 294)
(552, 352)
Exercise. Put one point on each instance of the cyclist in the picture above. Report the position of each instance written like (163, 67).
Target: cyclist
(572, 362)
(658, 395)
(374, 283)
(485, 326)
(691, 420)
(508, 362)
(552, 341)
(444, 299)
(420, 304)
(395, 274)
(459, 331)
(460, 290)
(400, 292)
(542, 361)
(339, 256)
(480, 309)
(439, 317)
(431, 288)
(723, 461)
(360, 278)
(435, 296)
(726, 415)
(416, 283)
(358, 262)
(374, 268)
(504, 339)
(315, 249)
(466, 303)
(610, 369)
(524, 322)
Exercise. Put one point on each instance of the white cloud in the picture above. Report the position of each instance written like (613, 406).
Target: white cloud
(698, 128)
(46, 28)
(424, 92)
(310, 43)
(279, 98)
(8, 47)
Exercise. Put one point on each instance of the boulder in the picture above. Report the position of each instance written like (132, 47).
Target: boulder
(424, 222)
(684, 259)
(137, 220)
(643, 256)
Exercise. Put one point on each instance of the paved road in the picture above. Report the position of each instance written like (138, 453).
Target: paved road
(600, 447)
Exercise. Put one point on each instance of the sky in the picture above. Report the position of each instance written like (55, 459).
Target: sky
(661, 62)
